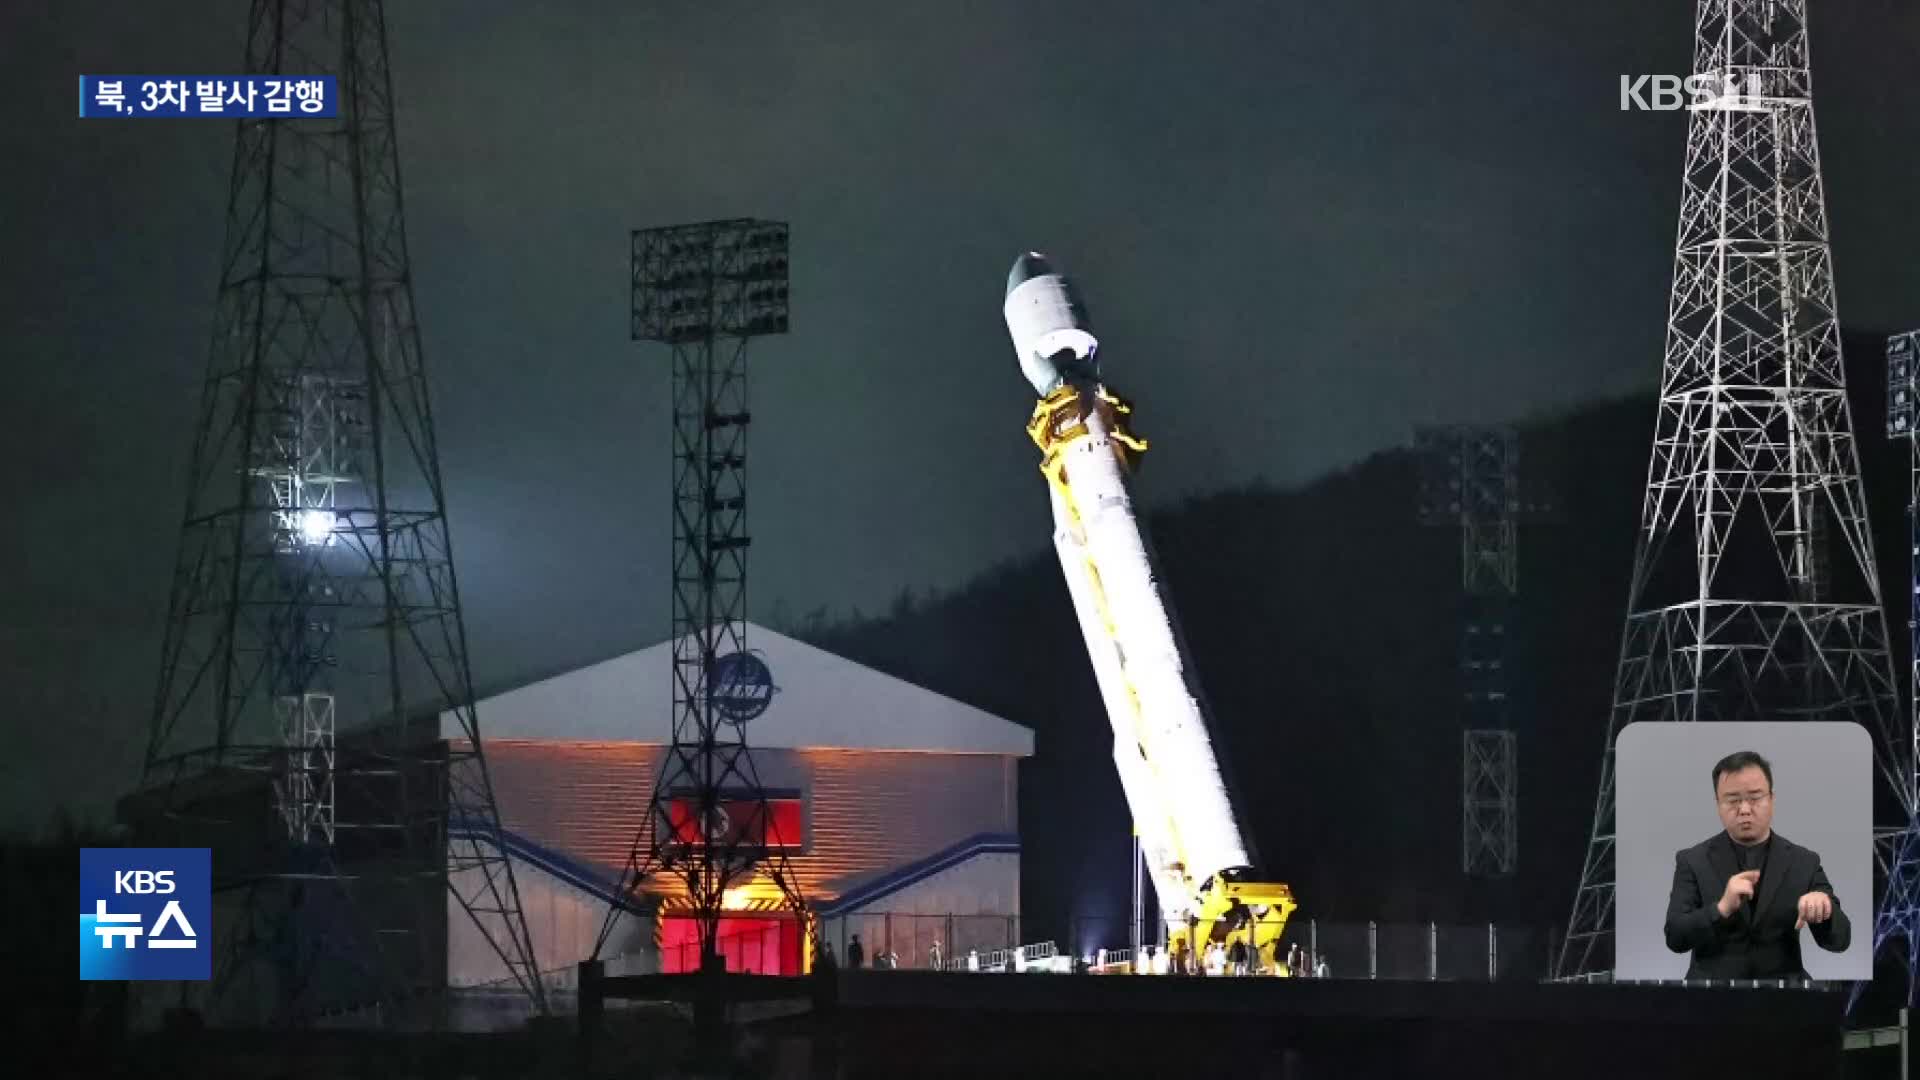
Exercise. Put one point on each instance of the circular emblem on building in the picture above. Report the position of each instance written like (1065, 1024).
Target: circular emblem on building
(740, 686)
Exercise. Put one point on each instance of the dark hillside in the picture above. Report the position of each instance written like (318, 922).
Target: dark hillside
(1324, 624)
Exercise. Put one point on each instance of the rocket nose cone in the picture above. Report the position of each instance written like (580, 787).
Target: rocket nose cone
(1026, 268)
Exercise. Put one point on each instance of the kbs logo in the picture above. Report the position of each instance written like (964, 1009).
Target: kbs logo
(1670, 93)
(146, 914)
(141, 882)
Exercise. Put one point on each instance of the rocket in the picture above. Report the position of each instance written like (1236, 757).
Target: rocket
(1161, 745)
(1052, 334)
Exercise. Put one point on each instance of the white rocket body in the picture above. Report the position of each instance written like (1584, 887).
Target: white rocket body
(1181, 810)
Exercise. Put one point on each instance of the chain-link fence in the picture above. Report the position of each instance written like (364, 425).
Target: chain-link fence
(920, 942)
(1343, 950)
(1441, 951)
(1362, 950)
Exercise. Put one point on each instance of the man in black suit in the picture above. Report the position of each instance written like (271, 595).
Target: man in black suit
(1740, 898)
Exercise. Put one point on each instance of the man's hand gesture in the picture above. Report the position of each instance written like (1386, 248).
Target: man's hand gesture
(1740, 890)
(1815, 907)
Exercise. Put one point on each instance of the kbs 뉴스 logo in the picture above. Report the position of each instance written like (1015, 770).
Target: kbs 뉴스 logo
(146, 914)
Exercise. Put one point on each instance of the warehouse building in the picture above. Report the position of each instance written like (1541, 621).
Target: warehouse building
(896, 807)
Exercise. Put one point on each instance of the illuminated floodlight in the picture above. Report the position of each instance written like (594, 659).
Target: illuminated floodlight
(316, 526)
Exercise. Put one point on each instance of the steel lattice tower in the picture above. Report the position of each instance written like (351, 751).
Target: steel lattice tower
(1736, 611)
(1470, 480)
(1898, 920)
(314, 634)
(706, 290)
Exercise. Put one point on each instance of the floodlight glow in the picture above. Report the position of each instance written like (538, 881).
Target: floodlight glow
(316, 526)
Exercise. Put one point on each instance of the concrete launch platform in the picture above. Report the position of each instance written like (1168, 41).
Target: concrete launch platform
(890, 1024)
(904, 1023)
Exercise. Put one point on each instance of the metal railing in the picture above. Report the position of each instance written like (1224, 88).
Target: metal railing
(1434, 951)
(1036, 957)
(1606, 978)
(1447, 952)
(920, 942)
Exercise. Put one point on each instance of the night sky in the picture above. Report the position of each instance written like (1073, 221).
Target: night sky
(1302, 229)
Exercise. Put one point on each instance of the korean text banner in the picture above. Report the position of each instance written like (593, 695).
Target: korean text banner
(132, 96)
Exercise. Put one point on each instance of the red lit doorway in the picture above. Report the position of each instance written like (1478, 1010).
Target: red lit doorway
(761, 945)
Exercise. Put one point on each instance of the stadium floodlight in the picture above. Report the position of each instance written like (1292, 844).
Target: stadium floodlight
(316, 527)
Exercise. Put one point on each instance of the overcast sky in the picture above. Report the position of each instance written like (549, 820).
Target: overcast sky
(1302, 229)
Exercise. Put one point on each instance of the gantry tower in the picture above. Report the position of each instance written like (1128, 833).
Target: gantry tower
(1755, 595)
(314, 720)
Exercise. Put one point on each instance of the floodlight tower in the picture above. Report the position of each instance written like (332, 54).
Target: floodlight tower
(313, 440)
(1732, 613)
(706, 290)
(314, 634)
(1470, 480)
(1897, 923)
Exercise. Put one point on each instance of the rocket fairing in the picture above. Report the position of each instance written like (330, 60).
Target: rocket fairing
(1049, 324)
(1162, 748)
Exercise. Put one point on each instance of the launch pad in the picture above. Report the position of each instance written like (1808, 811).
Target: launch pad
(939, 1024)
(889, 1024)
